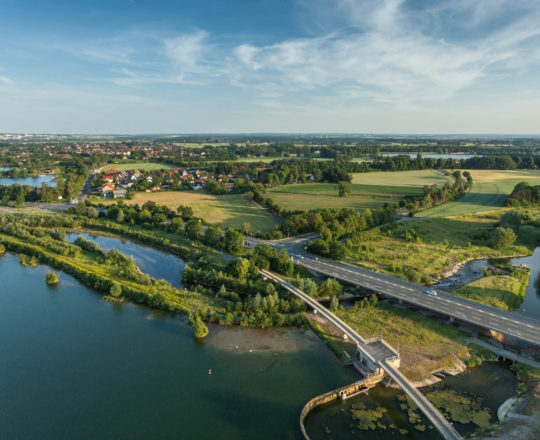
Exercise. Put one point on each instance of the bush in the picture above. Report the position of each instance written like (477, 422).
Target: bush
(200, 330)
(502, 238)
(116, 290)
(51, 278)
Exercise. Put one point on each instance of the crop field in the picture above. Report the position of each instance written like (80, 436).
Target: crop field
(415, 178)
(227, 210)
(489, 191)
(325, 195)
(146, 166)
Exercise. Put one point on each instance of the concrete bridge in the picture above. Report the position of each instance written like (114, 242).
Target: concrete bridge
(377, 356)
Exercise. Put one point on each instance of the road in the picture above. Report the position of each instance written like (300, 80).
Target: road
(385, 361)
(508, 323)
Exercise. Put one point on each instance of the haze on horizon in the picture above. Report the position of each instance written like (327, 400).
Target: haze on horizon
(262, 66)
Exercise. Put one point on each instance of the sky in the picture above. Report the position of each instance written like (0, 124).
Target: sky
(263, 66)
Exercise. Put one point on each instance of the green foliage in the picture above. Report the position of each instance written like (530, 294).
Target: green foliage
(334, 304)
(330, 287)
(116, 290)
(511, 219)
(233, 241)
(502, 238)
(200, 330)
(460, 407)
(51, 278)
(2, 249)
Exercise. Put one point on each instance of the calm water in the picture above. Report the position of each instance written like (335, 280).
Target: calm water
(76, 367)
(434, 156)
(531, 303)
(157, 264)
(31, 181)
(491, 383)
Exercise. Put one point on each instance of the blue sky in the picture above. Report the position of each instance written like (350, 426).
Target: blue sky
(348, 66)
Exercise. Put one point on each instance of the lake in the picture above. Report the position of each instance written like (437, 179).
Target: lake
(30, 181)
(77, 367)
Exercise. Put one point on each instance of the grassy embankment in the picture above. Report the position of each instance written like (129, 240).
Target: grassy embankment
(368, 190)
(489, 191)
(502, 291)
(229, 210)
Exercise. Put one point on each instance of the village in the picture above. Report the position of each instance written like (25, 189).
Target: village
(112, 183)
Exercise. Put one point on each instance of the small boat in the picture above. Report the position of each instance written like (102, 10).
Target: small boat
(210, 371)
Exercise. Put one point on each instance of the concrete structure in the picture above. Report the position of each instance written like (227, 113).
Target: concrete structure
(376, 354)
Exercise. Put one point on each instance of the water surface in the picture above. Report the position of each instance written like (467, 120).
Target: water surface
(76, 367)
(157, 264)
(34, 182)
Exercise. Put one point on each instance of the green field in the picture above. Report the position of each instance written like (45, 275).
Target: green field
(416, 178)
(489, 191)
(325, 195)
(146, 166)
(227, 210)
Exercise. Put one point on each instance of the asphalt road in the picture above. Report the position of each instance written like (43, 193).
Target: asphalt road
(508, 323)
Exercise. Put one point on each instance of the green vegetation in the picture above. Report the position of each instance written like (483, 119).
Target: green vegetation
(308, 196)
(416, 335)
(367, 419)
(145, 166)
(526, 373)
(2, 249)
(27, 261)
(51, 278)
(489, 191)
(420, 251)
(460, 407)
(229, 210)
(415, 178)
(200, 330)
(503, 291)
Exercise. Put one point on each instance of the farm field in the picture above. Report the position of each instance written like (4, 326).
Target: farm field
(416, 178)
(489, 191)
(227, 210)
(325, 195)
(146, 166)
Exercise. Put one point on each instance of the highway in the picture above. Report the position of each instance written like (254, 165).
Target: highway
(435, 417)
(508, 323)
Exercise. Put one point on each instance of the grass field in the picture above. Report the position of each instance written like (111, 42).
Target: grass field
(489, 191)
(424, 248)
(426, 344)
(416, 178)
(502, 291)
(325, 195)
(226, 210)
(146, 166)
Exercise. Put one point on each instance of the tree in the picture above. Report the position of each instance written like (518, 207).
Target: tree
(334, 304)
(502, 238)
(284, 265)
(239, 268)
(330, 287)
(158, 301)
(337, 250)
(213, 236)
(120, 216)
(511, 219)
(234, 241)
(116, 290)
(176, 224)
(319, 247)
(193, 228)
(344, 188)
(51, 278)
(92, 212)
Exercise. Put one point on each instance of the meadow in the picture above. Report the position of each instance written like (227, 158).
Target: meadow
(368, 190)
(226, 210)
(146, 166)
(489, 191)
(414, 178)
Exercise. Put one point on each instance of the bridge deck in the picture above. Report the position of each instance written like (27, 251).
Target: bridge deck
(371, 350)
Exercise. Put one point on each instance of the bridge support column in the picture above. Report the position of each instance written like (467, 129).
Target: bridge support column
(451, 319)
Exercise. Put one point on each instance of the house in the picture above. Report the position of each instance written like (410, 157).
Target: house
(229, 186)
(119, 193)
(198, 184)
(106, 189)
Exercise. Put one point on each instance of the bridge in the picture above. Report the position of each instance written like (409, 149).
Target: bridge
(507, 323)
(377, 355)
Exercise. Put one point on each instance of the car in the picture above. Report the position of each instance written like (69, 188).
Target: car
(431, 292)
